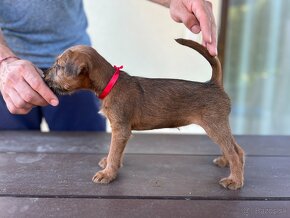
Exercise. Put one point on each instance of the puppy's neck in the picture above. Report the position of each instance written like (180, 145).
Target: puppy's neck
(101, 74)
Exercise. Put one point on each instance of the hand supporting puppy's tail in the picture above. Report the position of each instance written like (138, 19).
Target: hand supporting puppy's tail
(217, 76)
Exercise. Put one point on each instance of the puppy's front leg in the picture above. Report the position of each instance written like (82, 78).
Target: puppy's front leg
(120, 137)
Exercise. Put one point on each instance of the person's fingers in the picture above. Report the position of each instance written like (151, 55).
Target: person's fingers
(17, 100)
(29, 95)
(199, 8)
(14, 80)
(23, 88)
(212, 47)
(35, 81)
(180, 14)
(197, 16)
(196, 29)
(12, 100)
(41, 73)
(175, 8)
(190, 21)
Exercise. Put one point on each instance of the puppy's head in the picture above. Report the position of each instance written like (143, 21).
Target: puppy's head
(70, 70)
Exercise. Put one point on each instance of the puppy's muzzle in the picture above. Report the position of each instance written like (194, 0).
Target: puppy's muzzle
(48, 77)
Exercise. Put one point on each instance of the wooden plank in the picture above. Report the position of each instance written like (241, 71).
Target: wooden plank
(45, 207)
(144, 176)
(82, 142)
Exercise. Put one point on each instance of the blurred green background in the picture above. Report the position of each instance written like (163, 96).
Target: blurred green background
(257, 66)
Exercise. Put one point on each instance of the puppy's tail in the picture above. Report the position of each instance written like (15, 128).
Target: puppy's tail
(214, 61)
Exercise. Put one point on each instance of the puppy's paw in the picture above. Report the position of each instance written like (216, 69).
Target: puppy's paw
(231, 183)
(221, 161)
(103, 162)
(104, 177)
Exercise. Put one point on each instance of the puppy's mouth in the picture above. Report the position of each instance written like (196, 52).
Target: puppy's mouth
(59, 91)
(56, 89)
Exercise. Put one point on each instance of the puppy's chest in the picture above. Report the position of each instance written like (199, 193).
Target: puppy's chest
(103, 111)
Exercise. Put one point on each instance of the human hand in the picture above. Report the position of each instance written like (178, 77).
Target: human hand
(22, 87)
(197, 16)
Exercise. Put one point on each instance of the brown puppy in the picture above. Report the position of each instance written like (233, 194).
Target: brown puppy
(137, 103)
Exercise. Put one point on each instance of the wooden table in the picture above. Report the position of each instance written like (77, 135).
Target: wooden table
(49, 175)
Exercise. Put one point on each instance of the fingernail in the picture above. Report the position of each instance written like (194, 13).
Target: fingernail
(213, 52)
(195, 29)
(54, 102)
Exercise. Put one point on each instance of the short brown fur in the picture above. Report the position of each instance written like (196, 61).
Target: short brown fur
(137, 103)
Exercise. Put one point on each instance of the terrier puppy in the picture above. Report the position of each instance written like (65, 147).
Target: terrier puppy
(136, 103)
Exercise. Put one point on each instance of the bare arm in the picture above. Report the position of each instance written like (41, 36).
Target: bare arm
(5, 51)
(197, 16)
(21, 85)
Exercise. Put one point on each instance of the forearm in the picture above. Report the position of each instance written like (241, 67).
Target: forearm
(165, 3)
(5, 51)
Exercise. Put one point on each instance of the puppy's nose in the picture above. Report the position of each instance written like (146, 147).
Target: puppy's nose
(48, 74)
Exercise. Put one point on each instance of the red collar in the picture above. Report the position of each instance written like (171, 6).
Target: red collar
(111, 83)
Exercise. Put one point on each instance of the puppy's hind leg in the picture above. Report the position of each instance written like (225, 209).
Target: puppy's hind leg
(219, 131)
(120, 136)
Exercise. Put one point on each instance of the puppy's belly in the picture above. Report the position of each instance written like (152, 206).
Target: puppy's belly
(161, 122)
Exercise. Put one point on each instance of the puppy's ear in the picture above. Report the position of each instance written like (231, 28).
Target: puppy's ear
(82, 69)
